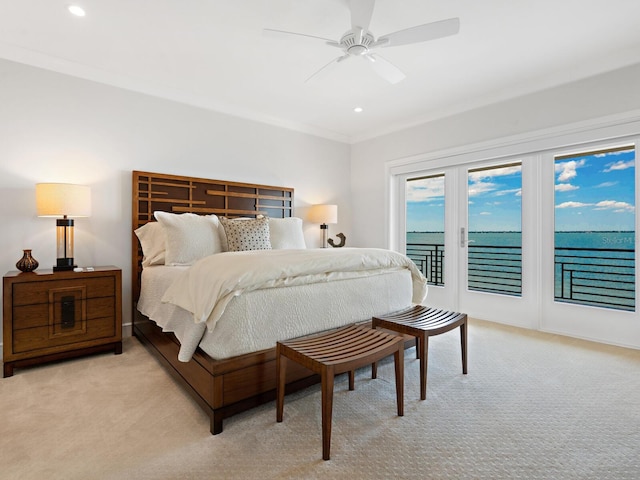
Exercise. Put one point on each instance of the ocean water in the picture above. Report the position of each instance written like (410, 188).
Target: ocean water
(608, 240)
(600, 273)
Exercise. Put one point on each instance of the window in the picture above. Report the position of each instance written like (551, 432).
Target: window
(594, 246)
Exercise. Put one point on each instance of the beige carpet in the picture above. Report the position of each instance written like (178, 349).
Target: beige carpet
(533, 406)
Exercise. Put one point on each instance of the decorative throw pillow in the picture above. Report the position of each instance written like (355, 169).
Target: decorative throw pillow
(189, 237)
(151, 236)
(286, 233)
(223, 235)
(247, 234)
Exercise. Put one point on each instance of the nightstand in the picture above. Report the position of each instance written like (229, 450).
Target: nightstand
(51, 315)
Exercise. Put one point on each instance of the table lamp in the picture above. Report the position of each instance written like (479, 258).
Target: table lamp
(63, 200)
(323, 214)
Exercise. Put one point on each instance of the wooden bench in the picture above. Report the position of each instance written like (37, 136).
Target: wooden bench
(423, 322)
(337, 351)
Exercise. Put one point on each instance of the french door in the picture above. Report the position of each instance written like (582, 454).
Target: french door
(492, 237)
(464, 229)
(497, 270)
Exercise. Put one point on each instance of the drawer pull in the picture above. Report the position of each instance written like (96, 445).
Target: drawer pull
(68, 313)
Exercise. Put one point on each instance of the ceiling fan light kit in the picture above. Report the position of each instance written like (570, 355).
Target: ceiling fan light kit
(359, 41)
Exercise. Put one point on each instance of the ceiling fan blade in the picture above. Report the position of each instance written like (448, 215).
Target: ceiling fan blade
(270, 32)
(421, 33)
(327, 68)
(361, 12)
(385, 68)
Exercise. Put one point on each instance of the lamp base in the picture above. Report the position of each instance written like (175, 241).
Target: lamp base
(324, 228)
(64, 264)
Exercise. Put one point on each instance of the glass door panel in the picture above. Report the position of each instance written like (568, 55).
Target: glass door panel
(594, 237)
(494, 241)
(425, 213)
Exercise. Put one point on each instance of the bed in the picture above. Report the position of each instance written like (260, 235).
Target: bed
(223, 352)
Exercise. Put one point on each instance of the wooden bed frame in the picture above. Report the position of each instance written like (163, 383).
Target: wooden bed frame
(221, 387)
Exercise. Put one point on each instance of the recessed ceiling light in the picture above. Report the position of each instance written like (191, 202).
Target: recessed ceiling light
(76, 10)
(357, 109)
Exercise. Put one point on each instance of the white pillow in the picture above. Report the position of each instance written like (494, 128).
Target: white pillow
(286, 233)
(189, 237)
(151, 236)
(247, 233)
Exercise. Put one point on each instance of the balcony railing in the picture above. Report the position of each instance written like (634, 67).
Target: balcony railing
(602, 277)
(495, 269)
(430, 260)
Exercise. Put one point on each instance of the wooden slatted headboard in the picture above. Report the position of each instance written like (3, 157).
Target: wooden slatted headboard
(178, 194)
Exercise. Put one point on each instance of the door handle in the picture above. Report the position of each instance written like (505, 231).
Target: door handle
(463, 238)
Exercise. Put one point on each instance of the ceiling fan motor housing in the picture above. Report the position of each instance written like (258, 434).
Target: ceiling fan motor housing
(356, 42)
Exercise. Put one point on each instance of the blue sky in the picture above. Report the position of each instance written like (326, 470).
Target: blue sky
(592, 192)
(595, 192)
(425, 205)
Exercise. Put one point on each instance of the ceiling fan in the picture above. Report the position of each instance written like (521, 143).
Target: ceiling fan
(360, 42)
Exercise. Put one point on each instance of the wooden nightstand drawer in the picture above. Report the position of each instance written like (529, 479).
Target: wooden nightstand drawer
(36, 326)
(52, 315)
(40, 292)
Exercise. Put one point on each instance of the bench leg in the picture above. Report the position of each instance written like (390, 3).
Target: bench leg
(352, 379)
(463, 345)
(374, 370)
(327, 407)
(424, 355)
(398, 357)
(281, 374)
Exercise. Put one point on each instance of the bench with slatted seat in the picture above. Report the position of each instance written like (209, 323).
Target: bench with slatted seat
(338, 351)
(423, 322)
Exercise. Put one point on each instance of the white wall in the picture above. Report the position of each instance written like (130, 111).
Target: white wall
(603, 95)
(55, 128)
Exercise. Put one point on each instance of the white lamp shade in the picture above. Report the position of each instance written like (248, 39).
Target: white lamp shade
(323, 214)
(59, 199)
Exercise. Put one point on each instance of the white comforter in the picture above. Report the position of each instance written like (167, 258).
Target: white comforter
(206, 288)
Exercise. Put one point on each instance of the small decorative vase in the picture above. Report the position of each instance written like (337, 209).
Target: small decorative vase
(27, 263)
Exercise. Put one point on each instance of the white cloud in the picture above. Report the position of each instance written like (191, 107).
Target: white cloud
(620, 165)
(567, 170)
(481, 181)
(425, 190)
(516, 191)
(573, 205)
(607, 184)
(478, 175)
(565, 187)
(617, 207)
(481, 187)
(485, 213)
(619, 152)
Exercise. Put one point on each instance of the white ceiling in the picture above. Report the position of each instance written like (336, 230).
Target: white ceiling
(213, 54)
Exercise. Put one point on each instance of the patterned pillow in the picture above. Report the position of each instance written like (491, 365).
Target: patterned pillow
(247, 234)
